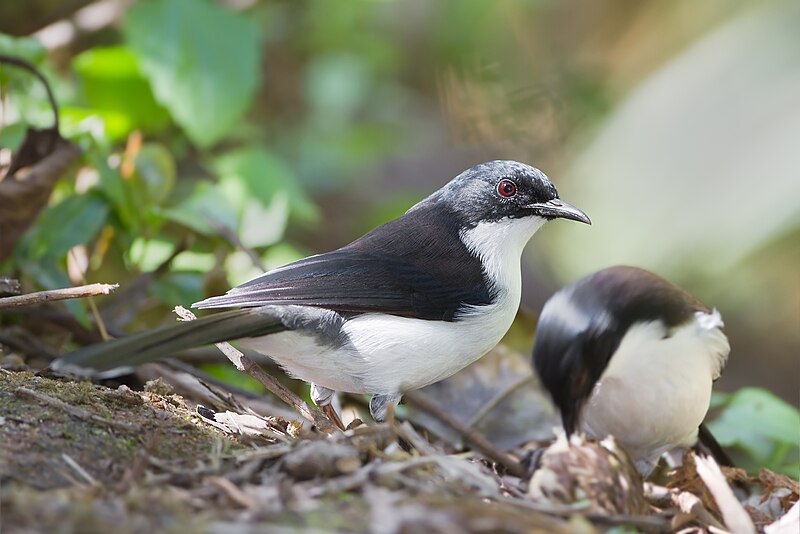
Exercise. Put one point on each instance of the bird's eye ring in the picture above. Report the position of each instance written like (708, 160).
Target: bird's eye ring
(506, 188)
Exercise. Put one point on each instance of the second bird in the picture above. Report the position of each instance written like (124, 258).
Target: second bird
(626, 353)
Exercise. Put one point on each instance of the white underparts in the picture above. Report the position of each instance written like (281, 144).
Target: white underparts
(389, 354)
(656, 389)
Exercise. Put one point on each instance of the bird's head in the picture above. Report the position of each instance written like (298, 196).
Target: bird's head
(499, 190)
(569, 355)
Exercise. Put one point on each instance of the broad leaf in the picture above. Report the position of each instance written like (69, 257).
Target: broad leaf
(112, 83)
(505, 402)
(761, 424)
(204, 210)
(261, 174)
(698, 167)
(156, 171)
(74, 221)
(203, 62)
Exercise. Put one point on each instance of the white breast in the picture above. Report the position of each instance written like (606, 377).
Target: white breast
(389, 354)
(656, 389)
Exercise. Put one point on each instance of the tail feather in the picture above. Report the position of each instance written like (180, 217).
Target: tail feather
(153, 345)
(707, 441)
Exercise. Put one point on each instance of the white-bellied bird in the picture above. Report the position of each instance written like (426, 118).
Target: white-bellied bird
(623, 352)
(409, 303)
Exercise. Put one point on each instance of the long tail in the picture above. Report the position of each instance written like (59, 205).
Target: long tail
(707, 441)
(153, 345)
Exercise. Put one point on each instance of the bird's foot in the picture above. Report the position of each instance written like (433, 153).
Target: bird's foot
(323, 398)
(330, 413)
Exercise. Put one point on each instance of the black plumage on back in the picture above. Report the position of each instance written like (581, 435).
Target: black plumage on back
(407, 267)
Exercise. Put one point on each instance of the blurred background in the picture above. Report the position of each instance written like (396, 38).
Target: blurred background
(222, 138)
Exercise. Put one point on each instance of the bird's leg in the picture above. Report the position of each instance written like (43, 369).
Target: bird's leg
(323, 397)
(379, 404)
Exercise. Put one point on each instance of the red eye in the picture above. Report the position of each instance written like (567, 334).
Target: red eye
(506, 188)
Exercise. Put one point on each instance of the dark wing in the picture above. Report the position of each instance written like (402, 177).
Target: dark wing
(350, 280)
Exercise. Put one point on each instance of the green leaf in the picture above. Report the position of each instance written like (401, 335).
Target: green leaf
(111, 82)
(761, 424)
(26, 48)
(156, 171)
(177, 287)
(262, 226)
(11, 135)
(116, 190)
(260, 174)
(106, 124)
(74, 221)
(149, 254)
(190, 260)
(204, 210)
(203, 62)
(239, 268)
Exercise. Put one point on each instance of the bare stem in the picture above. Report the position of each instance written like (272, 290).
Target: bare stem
(468, 434)
(40, 297)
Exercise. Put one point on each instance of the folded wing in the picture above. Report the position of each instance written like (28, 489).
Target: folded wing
(353, 281)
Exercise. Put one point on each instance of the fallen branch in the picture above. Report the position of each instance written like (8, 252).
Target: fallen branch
(246, 365)
(40, 297)
(469, 435)
(733, 513)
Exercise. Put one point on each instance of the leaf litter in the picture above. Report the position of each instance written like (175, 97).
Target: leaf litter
(81, 457)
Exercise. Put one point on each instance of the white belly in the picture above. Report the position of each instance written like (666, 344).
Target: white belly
(414, 354)
(655, 392)
(387, 354)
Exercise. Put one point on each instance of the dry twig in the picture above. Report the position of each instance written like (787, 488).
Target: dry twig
(733, 513)
(70, 461)
(232, 491)
(469, 435)
(40, 297)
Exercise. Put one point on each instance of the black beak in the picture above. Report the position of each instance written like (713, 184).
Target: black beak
(558, 209)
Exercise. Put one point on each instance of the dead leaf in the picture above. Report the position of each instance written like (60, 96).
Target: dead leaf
(505, 403)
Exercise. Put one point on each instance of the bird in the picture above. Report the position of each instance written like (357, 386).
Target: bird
(409, 303)
(624, 352)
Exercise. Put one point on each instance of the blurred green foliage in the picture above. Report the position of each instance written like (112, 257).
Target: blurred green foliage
(202, 62)
(762, 426)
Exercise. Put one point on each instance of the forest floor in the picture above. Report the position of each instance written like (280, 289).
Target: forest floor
(81, 457)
